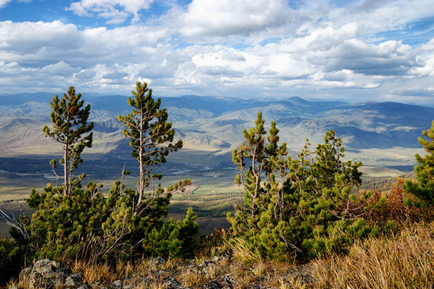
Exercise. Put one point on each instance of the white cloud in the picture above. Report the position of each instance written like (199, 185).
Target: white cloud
(60, 68)
(387, 58)
(239, 47)
(110, 9)
(4, 2)
(224, 18)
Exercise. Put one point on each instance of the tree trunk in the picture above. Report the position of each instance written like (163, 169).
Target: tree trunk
(142, 173)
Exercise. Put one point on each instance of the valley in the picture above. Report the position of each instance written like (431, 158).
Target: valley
(381, 135)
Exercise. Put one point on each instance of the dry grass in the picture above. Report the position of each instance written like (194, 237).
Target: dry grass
(192, 278)
(404, 261)
(94, 272)
(243, 253)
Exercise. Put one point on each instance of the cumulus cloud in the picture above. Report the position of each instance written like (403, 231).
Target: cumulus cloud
(60, 68)
(335, 76)
(255, 47)
(237, 17)
(110, 9)
(387, 58)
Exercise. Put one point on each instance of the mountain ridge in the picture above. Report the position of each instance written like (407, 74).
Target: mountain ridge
(216, 123)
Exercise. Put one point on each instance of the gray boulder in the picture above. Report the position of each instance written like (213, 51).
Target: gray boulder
(46, 274)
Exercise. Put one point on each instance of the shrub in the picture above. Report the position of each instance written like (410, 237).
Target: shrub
(10, 259)
(423, 190)
(297, 208)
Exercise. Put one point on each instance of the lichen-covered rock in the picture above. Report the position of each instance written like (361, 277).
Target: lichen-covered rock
(47, 274)
(74, 280)
(155, 262)
(171, 283)
(228, 281)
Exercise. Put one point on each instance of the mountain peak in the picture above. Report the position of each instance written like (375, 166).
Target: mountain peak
(298, 100)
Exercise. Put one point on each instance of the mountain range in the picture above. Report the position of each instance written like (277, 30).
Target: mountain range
(377, 133)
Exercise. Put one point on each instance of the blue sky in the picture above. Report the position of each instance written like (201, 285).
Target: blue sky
(372, 50)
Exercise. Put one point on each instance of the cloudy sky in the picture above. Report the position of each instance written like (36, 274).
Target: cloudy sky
(364, 50)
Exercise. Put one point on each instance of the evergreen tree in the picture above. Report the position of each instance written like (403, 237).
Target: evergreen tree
(296, 207)
(85, 224)
(70, 128)
(424, 189)
(148, 129)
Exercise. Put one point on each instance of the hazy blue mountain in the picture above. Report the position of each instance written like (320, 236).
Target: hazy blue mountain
(216, 123)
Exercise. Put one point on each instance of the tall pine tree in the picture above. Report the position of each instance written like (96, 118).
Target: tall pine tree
(148, 130)
(70, 128)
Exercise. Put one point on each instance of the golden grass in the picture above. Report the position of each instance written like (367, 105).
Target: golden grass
(94, 272)
(243, 253)
(192, 278)
(402, 261)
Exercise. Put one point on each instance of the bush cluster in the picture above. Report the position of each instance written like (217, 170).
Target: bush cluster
(297, 208)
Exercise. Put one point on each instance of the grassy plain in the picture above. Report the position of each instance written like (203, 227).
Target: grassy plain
(213, 192)
(212, 195)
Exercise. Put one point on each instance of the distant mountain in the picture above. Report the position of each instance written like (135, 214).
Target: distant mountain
(216, 123)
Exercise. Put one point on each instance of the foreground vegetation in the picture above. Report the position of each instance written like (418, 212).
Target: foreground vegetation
(403, 259)
(307, 211)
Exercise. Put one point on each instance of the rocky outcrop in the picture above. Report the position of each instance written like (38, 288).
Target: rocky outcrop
(221, 272)
(45, 274)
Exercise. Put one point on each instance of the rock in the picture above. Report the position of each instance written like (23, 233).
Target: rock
(75, 280)
(47, 274)
(171, 283)
(214, 284)
(116, 284)
(133, 281)
(84, 287)
(97, 285)
(154, 262)
(13, 287)
(228, 281)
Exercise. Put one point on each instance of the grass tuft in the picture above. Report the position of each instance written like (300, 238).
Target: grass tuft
(405, 260)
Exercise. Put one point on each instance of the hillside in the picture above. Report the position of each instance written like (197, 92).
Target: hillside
(382, 134)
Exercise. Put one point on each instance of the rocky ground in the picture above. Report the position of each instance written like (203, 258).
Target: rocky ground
(218, 273)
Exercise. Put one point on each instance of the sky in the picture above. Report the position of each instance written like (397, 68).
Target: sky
(355, 51)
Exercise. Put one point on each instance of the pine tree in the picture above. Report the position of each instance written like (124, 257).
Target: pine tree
(148, 129)
(296, 207)
(70, 128)
(88, 225)
(424, 189)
